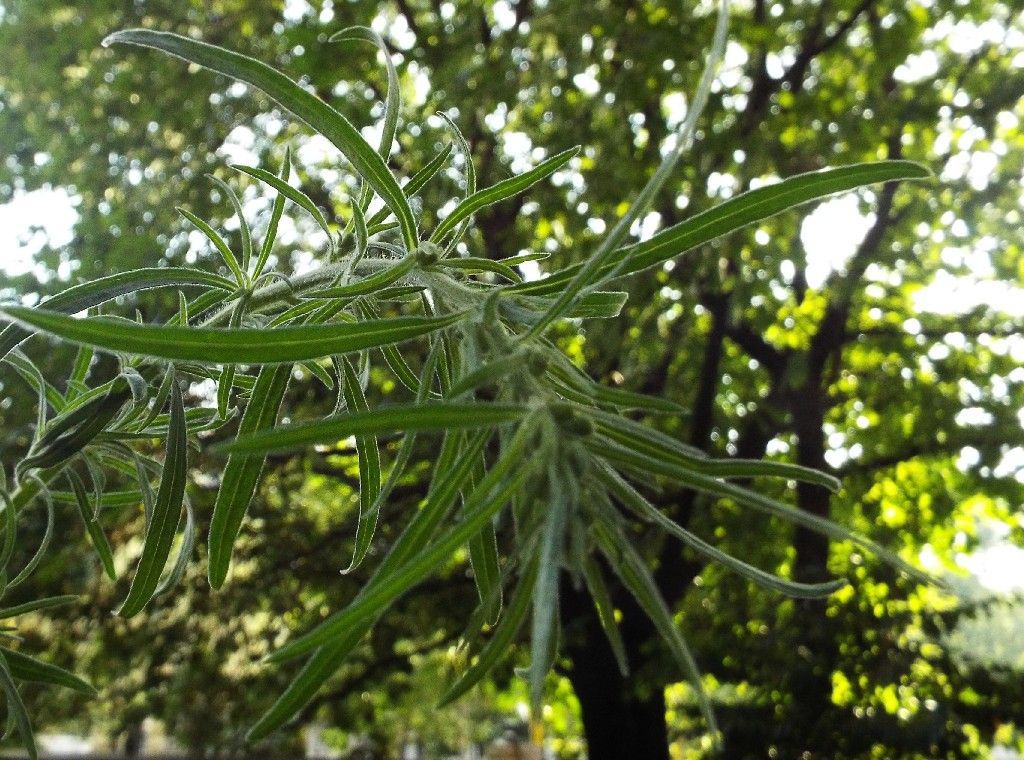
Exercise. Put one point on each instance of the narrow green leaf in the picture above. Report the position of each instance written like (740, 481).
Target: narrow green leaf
(483, 557)
(81, 297)
(327, 659)
(738, 212)
(26, 668)
(655, 443)
(474, 264)
(392, 99)
(242, 223)
(38, 604)
(218, 243)
(501, 191)
(369, 284)
(605, 612)
(307, 106)
(369, 468)
(242, 473)
(498, 645)
(630, 567)
(166, 512)
(584, 278)
(270, 236)
(92, 525)
(188, 545)
(16, 708)
(491, 494)
(419, 417)
(304, 687)
(415, 184)
(631, 498)
(523, 258)
(753, 499)
(293, 194)
(545, 596)
(44, 544)
(229, 346)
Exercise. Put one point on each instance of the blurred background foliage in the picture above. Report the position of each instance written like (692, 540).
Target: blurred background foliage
(877, 335)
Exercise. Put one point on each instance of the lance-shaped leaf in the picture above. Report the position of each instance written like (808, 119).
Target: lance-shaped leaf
(415, 184)
(745, 209)
(276, 212)
(501, 191)
(305, 105)
(26, 668)
(422, 526)
(293, 194)
(712, 485)
(210, 345)
(561, 494)
(630, 567)
(418, 417)
(504, 633)
(369, 467)
(483, 557)
(474, 264)
(89, 294)
(92, 525)
(219, 243)
(372, 283)
(639, 437)
(630, 497)
(605, 611)
(166, 512)
(38, 604)
(243, 224)
(494, 491)
(392, 100)
(16, 708)
(242, 473)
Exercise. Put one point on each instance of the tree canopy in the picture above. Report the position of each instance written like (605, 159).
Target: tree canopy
(875, 336)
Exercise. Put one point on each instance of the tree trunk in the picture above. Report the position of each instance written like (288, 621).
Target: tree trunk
(619, 720)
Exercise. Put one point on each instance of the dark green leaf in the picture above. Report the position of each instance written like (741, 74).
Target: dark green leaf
(229, 346)
(166, 512)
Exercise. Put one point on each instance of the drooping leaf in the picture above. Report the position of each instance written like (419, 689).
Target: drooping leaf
(166, 512)
(242, 472)
(631, 498)
(92, 525)
(26, 668)
(490, 495)
(504, 633)
(16, 708)
(369, 467)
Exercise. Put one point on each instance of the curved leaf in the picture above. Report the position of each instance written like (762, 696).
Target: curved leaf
(307, 106)
(735, 213)
(89, 294)
(501, 191)
(166, 512)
